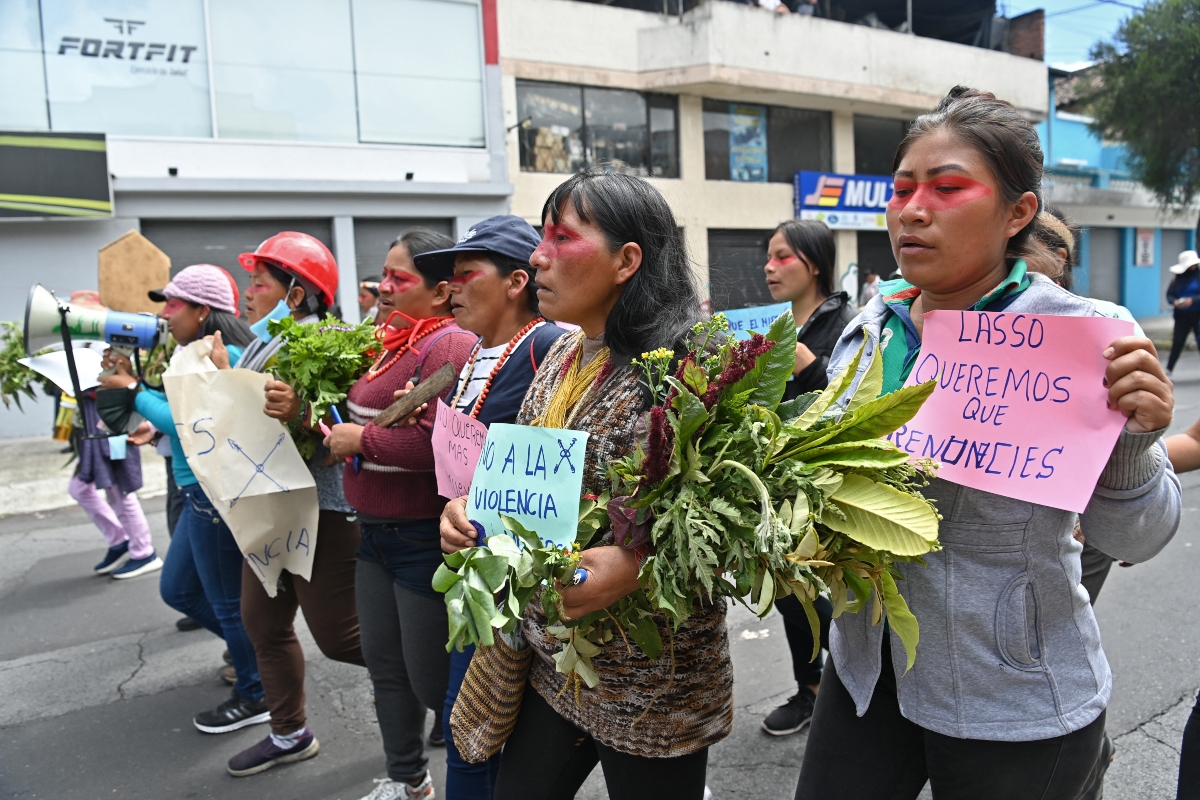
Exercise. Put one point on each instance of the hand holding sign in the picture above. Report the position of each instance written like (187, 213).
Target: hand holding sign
(532, 474)
(1021, 408)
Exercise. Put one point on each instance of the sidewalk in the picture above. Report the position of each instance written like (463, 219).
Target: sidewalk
(34, 474)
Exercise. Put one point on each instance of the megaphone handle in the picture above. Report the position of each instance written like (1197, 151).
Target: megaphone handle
(66, 337)
(137, 362)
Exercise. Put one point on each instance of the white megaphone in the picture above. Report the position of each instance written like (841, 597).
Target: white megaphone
(46, 316)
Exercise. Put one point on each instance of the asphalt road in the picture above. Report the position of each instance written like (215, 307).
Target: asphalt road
(97, 688)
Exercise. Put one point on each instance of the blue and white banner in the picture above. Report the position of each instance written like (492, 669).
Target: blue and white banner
(847, 202)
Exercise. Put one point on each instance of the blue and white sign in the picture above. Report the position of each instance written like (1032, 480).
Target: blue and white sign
(756, 319)
(846, 202)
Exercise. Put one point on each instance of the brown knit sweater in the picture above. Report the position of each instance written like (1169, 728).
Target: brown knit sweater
(693, 711)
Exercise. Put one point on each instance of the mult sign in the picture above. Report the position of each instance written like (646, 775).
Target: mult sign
(846, 202)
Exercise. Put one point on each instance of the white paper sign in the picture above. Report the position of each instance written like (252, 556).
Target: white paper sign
(245, 461)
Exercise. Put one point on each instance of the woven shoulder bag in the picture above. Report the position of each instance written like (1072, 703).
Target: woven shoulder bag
(489, 701)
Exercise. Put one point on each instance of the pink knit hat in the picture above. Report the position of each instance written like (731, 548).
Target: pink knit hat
(203, 284)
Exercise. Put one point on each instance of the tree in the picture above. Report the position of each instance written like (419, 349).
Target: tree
(1146, 94)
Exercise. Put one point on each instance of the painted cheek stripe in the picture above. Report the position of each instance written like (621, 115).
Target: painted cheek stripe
(461, 280)
(401, 282)
(926, 194)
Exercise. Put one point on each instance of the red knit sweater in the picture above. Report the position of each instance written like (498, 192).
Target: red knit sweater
(397, 479)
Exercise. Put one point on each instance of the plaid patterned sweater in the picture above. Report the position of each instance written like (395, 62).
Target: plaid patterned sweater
(690, 712)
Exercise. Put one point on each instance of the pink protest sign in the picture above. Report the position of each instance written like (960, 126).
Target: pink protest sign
(1020, 408)
(457, 443)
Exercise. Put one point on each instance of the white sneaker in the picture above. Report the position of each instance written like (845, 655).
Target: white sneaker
(708, 793)
(388, 789)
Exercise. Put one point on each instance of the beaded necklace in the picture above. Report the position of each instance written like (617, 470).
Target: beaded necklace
(487, 387)
(417, 333)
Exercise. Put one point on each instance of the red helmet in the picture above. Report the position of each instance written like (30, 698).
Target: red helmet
(302, 255)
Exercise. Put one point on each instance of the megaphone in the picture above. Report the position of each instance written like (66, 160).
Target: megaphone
(44, 317)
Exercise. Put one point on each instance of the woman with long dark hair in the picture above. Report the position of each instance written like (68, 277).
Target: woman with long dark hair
(394, 492)
(202, 573)
(802, 259)
(612, 261)
(1008, 694)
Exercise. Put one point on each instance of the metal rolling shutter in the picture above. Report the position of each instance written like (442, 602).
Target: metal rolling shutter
(1104, 264)
(735, 272)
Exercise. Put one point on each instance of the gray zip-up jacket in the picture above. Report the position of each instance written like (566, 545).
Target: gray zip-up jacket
(1010, 649)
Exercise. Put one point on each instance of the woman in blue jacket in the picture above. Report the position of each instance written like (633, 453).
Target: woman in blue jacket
(202, 576)
(1007, 698)
(1184, 295)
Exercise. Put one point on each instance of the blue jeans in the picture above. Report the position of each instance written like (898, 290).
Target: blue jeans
(464, 781)
(202, 578)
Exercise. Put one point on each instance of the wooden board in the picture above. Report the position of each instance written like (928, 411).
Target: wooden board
(130, 267)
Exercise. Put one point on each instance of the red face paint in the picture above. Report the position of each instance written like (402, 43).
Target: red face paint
(398, 282)
(561, 241)
(173, 305)
(465, 278)
(939, 194)
(782, 262)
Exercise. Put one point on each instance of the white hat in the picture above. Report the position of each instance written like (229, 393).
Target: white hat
(1188, 258)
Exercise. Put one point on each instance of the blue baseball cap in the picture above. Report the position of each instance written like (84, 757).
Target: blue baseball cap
(505, 235)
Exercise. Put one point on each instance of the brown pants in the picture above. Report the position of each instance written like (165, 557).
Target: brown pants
(329, 608)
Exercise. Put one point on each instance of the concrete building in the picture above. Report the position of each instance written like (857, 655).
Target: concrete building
(1127, 241)
(722, 106)
(230, 120)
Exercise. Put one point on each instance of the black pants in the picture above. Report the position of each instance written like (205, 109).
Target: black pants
(883, 756)
(548, 758)
(1096, 565)
(1187, 321)
(174, 499)
(800, 640)
(1189, 758)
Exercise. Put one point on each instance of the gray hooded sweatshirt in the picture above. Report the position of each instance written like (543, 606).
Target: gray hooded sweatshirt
(1010, 648)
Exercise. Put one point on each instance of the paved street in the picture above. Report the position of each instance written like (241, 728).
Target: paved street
(97, 688)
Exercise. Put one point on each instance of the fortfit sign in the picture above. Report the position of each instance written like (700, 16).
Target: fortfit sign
(846, 202)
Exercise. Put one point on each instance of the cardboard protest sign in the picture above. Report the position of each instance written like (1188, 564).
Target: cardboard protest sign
(1020, 408)
(744, 321)
(532, 474)
(246, 463)
(457, 442)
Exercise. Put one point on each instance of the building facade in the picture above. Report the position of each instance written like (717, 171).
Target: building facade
(722, 106)
(230, 120)
(1127, 241)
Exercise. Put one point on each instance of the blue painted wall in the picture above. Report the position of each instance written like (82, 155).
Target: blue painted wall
(1140, 285)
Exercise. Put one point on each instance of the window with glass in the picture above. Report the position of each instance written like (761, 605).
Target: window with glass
(564, 128)
(304, 70)
(759, 144)
(875, 143)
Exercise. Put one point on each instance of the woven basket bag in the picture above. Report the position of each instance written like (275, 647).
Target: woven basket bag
(489, 701)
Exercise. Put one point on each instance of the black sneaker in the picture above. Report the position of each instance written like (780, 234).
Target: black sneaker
(265, 755)
(186, 624)
(793, 716)
(436, 737)
(235, 713)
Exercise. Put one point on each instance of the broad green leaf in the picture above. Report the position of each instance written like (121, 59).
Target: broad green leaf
(691, 411)
(444, 578)
(814, 624)
(883, 518)
(884, 415)
(766, 597)
(808, 545)
(482, 618)
(584, 668)
(585, 647)
(789, 410)
(865, 454)
(830, 393)
(900, 618)
(527, 536)
(764, 384)
(871, 384)
(492, 569)
(645, 635)
(456, 559)
(861, 588)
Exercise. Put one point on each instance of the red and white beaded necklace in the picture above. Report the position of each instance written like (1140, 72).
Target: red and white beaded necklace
(487, 387)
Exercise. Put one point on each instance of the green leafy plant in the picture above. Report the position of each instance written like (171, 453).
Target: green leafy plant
(739, 495)
(16, 379)
(321, 361)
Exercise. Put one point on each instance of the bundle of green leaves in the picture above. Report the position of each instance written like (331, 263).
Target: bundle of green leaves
(16, 379)
(740, 495)
(321, 361)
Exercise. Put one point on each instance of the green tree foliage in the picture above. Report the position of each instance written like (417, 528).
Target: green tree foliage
(1145, 95)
